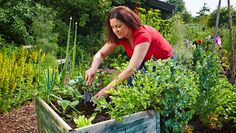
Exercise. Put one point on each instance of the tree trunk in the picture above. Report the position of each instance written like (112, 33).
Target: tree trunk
(217, 18)
(233, 59)
(217, 22)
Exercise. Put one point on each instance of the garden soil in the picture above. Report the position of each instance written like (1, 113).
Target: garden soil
(20, 120)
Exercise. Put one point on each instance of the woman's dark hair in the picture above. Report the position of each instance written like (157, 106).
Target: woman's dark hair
(125, 15)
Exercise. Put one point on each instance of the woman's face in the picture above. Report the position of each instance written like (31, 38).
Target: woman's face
(120, 29)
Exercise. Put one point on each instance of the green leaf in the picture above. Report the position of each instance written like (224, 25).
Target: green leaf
(64, 104)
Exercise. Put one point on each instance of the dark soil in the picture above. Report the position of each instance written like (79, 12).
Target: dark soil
(20, 120)
(87, 109)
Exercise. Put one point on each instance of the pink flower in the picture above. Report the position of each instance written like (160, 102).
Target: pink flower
(217, 40)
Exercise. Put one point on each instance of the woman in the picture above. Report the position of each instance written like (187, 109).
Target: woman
(141, 43)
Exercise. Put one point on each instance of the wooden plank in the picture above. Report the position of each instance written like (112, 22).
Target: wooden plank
(48, 120)
(142, 122)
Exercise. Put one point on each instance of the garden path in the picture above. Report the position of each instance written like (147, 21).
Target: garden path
(20, 120)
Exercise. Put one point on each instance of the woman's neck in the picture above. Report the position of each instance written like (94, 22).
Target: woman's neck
(129, 35)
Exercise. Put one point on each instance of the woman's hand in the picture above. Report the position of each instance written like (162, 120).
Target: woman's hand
(90, 75)
(102, 93)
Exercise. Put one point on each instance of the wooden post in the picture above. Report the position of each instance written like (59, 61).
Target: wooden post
(217, 20)
(233, 58)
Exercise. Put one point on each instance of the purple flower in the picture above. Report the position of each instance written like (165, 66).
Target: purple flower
(217, 40)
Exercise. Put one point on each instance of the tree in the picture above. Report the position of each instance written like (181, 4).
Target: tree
(202, 17)
(180, 4)
(187, 17)
(16, 19)
(204, 10)
(223, 18)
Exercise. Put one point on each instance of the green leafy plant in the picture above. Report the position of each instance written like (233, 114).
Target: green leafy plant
(80, 83)
(213, 87)
(153, 18)
(66, 103)
(170, 93)
(49, 82)
(82, 121)
(101, 103)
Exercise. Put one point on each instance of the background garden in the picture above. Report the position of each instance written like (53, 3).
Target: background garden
(47, 45)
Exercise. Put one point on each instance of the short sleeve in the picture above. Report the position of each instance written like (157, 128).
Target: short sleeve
(141, 37)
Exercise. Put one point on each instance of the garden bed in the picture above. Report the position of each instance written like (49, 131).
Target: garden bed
(50, 121)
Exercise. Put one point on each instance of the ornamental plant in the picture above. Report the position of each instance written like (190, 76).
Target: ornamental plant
(163, 87)
(17, 77)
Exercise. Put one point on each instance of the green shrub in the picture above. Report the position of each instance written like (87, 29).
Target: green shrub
(169, 93)
(213, 87)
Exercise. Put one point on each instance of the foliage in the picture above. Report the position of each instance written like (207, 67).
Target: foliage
(197, 31)
(177, 38)
(74, 52)
(224, 34)
(203, 20)
(26, 22)
(177, 30)
(2, 42)
(225, 50)
(223, 20)
(179, 95)
(46, 77)
(40, 22)
(82, 121)
(212, 85)
(67, 96)
(227, 108)
(49, 82)
(16, 19)
(180, 4)
(204, 10)
(90, 43)
(17, 78)
(130, 3)
(100, 103)
(85, 13)
(66, 103)
(152, 17)
(119, 56)
(169, 93)
(43, 34)
(186, 17)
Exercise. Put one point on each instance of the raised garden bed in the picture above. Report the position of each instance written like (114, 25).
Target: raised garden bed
(49, 121)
